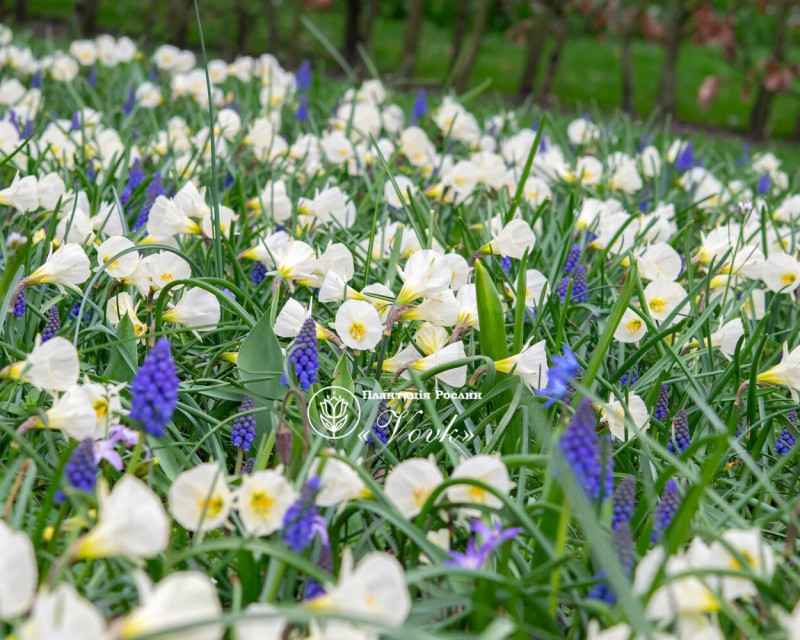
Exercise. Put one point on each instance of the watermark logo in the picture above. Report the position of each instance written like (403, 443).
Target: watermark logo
(334, 412)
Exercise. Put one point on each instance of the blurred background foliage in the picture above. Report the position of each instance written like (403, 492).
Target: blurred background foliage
(728, 65)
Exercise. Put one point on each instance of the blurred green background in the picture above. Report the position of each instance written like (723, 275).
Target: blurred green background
(736, 70)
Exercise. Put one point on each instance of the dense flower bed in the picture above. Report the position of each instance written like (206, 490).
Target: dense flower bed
(276, 367)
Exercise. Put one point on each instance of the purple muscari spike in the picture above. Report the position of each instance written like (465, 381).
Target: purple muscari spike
(258, 273)
(662, 404)
(764, 184)
(81, 468)
(667, 508)
(155, 389)
(380, 428)
(565, 368)
(505, 264)
(629, 378)
(92, 77)
(792, 418)
(785, 442)
(90, 171)
(20, 304)
(301, 113)
(53, 324)
(76, 120)
(580, 286)
(646, 138)
(130, 102)
(303, 355)
(228, 181)
(573, 258)
(28, 132)
(302, 522)
(243, 431)
(563, 288)
(623, 545)
(36, 80)
(583, 451)
(135, 178)
(679, 440)
(153, 73)
(313, 589)
(420, 106)
(685, 159)
(303, 76)
(154, 189)
(624, 502)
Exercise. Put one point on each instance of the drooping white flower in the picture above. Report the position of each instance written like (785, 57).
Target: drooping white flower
(260, 622)
(22, 194)
(73, 414)
(67, 266)
(180, 599)
(615, 415)
(631, 327)
(530, 364)
(262, 501)
(662, 297)
(358, 325)
(410, 483)
(426, 274)
(659, 261)
(197, 309)
(51, 366)
(120, 267)
(338, 482)
(131, 523)
(62, 613)
(781, 272)
(489, 470)
(199, 499)
(512, 240)
(18, 572)
(787, 372)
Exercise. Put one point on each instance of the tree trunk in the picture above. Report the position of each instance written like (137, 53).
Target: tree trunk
(459, 31)
(86, 16)
(759, 116)
(536, 41)
(462, 73)
(20, 10)
(369, 23)
(242, 26)
(294, 40)
(272, 25)
(545, 92)
(672, 42)
(178, 22)
(411, 40)
(352, 32)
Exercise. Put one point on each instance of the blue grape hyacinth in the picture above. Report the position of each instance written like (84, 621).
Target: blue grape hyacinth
(302, 522)
(624, 502)
(155, 389)
(662, 404)
(81, 468)
(243, 431)
(679, 440)
(303, 356)
(53, 324)
(586, 454)
(667, 508)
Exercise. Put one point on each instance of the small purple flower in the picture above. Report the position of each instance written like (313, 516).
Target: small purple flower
(667, 508)
(662, 404)
(303, 356)
(685, 159)
(81, 469)
(679, 440)
(301, 113)
(92, 77)
(573, 258)
(475, 556)
(764, 184)
(258, 272)
(629, 378)
(420, 106)
(130, 102)
(380, 428)
(154, 189)
(301, 522)
(785, 442)
(243, 431)
(587, 455)
(304, 76)
(155, 389)
(53, 325)
(505, 264)
(20, 304)
(565, 368)
(624, 501)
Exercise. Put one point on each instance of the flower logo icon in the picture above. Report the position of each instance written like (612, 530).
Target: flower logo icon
(336, 410)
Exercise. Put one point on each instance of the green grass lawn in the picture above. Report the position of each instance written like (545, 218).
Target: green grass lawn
(588, 77)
